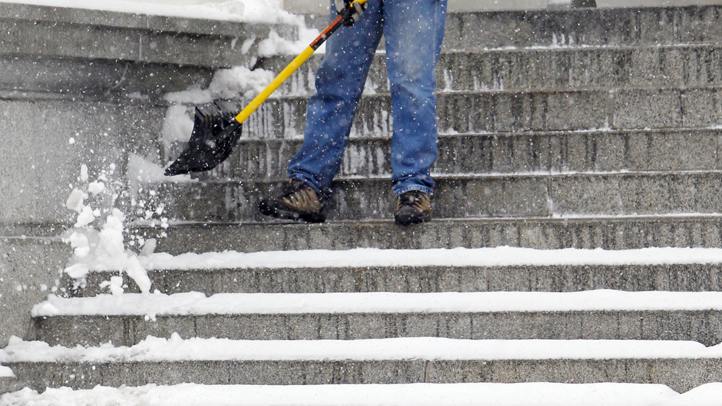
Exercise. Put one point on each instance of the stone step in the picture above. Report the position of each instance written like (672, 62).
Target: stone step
(543, 69)
(599, 315)
(499, 111)
(702, 326)
(529, 394)
(577, 27)
(519, 195)
(565, 151)
(411, 279)
(679, 365)
(75, 33)
(614, 233)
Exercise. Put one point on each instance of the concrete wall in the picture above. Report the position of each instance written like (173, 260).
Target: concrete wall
(320, 6)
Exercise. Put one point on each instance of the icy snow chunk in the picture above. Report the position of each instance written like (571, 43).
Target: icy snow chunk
(6, 372)
(148, 247)
(96, 187)
(84, 173)
(85, 217)
(44, 309)
(75, 200)
(80, 243)
(115, 284)
(77, 271)
(136, 271)
(177, 125)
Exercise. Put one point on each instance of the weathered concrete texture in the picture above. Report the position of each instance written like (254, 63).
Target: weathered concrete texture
(679, 374)
(544, 69)
(87, 375)
(525, 278)
(29, 269)
(701, 326)
(535, 195)
(624, 109)
(45, 142)
(97, 80)
(499, 153)
(78, 33)
(608, 27)
(9, 385)
(566, 28)
(546, 233)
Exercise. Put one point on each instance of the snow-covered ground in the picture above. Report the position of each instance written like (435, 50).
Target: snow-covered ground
(477, 394)
(368, 257)
(154, 349)
(195, 303)
(261, 11)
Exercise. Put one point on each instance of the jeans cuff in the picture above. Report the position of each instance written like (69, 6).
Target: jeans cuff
(408, 188)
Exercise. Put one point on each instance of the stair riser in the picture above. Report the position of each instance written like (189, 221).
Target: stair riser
(500, 153)
(702, 326)
(529, 233)
(532, 69)
(522, 196)
(100, 80)
(531, 278)
(679, 374)
(513, 111)
(595, 27)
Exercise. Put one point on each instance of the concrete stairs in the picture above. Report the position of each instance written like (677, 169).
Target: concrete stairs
(558, 129)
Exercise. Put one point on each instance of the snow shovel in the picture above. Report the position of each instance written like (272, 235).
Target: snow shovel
(217, 127)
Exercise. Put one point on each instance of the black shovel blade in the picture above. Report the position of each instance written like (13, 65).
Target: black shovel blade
(215, 132)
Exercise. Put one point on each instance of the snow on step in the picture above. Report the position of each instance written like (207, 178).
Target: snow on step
(174, 349)
(498, 256)
(195, 303)
(529, 394)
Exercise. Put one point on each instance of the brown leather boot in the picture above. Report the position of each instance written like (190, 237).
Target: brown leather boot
(297, 201)
(412, 207)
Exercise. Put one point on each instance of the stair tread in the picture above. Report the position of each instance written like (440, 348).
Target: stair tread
(198, 304)
(177, 349)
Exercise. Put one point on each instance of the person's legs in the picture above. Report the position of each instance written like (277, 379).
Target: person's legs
(339, 83)
(414, 30)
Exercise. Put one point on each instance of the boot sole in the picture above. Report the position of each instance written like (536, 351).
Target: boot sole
(409, 219)
(281, 213)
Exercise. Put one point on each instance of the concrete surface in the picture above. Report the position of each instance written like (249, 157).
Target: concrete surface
(543, 233)
(29, 270)
(677, 277)
(679, 374)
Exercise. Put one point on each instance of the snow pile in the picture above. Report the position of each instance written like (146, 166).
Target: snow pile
(6, 372)
(226, 84)
(252, 11)
(421, 394)
(103, 249)
(372, 257)
(196, 303)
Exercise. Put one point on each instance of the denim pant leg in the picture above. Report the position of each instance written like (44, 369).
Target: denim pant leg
(414, 31)
(339, 83)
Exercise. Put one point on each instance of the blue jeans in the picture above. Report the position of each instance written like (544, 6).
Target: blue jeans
(414, 30)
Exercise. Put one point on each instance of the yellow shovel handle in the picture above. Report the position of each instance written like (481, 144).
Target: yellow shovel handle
(288, 71)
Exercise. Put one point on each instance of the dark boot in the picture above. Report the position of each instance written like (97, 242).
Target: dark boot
(412, 207)
(298, 201)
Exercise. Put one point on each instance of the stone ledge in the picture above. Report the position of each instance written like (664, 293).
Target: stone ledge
(679, 374)
(91, 34)
(541, 233)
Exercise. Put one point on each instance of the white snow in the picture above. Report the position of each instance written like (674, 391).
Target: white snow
(195, 303)
(6, 372)
(368, 257)
(258, 11)
(174, 349)
(473, 394)
(226, 84)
